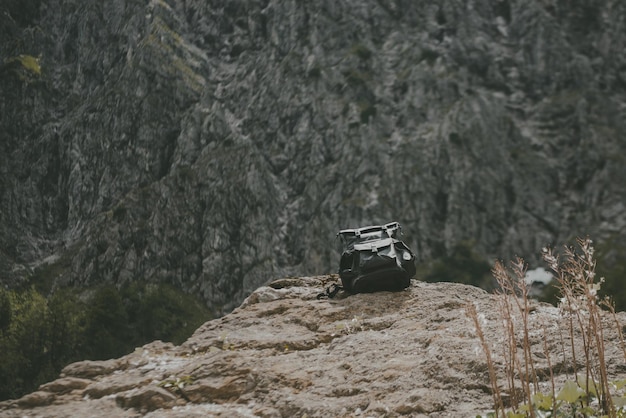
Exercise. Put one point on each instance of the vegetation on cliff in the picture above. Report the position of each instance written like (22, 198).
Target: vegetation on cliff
(40, 335)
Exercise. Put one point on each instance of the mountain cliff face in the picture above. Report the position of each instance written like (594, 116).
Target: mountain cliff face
(284, 353)
(217, 144)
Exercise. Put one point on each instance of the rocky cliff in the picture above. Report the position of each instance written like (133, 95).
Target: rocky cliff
(217, 144)
(284, 353)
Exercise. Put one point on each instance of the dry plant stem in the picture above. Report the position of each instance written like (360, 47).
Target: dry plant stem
(576, 279)
(497, 398)
(611, 307)
(605, 399)
(585, 332)
(573, 271)
(563, 353)
(567, 293)
(509, 347)
(546, 352)
(584, 271)
(519, 270)
(598, 344)
(598, 334)
(525, 348)
(570, 317)
(594, 308)
(580, 308)
(511, 287)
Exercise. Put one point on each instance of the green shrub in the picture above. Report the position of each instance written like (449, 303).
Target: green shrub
(39, 335)
(357, 78)
(107, 331)
(34, 345)
(165, 313)
(361, 51)
(429, 55)
(5, 311)
(462, 265)
(65, 323)
(367, 110)
(25, 67)
(611, 257)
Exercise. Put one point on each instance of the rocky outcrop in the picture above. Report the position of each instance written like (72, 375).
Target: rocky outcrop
(284, 353)
(217, 144)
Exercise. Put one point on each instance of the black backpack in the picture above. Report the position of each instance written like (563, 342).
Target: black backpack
(374, 259)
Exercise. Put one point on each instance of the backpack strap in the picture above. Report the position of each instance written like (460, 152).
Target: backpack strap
(330, 292)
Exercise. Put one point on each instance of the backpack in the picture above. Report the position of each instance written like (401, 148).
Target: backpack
(374, 259)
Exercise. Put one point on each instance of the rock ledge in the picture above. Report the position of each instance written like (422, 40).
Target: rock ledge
(284, 353)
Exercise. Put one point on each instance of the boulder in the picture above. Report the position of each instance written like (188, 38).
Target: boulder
(89, 368)
(64, 385)
(146, 399)
(410, 353)
(35, 399)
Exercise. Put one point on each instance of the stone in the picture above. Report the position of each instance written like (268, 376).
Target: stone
(217, 390)
(35, 399)
(146, 399)
(89, 368)
(64, 385)
(409, 353)
(112, 386)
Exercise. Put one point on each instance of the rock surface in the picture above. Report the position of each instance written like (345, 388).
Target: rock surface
(217, 144)
(284, 353)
